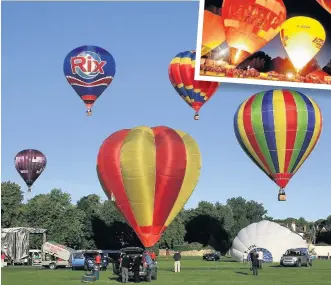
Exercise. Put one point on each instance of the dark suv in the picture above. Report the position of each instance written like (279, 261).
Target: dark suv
(211, 256)
(147, 273)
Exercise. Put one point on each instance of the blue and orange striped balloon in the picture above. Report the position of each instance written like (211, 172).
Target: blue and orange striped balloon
(181, 74)
(278, 129)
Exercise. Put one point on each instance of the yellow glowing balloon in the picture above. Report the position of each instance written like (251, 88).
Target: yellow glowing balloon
(302, 38)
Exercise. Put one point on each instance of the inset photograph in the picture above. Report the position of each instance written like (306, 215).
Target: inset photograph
(265, 42)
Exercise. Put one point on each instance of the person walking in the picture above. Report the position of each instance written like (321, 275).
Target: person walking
(177, 257)
(125, 263)
(260, 258)
(136, 268)
(255, 263)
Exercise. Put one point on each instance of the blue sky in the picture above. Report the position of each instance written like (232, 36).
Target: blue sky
(40, 110)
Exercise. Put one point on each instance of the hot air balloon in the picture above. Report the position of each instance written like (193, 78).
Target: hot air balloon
(151, 172)
(213, 30)
(302, 38)
(326, 4)
(278, 129)
(89, 70)
(30, 163)
(194, 92)
(250, 25)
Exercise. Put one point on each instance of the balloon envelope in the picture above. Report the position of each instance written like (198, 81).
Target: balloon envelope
(89, 70)
(213, 31)
(326, 4)
(265, 236)
(302, 38)
(181, 74)
(250, 25)
(278, 129)
(30, 163)
(151, 172)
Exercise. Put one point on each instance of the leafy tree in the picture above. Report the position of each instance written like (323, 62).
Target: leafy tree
(174, 234)
(54, 212)
(327, 68)
(245, 213)
(11, 204)
(91, 206)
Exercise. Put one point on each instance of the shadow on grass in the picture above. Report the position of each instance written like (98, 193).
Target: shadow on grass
(197, 269)
(241, 273)
(114, 278)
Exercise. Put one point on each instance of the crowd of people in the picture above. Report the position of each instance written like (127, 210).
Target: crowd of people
(210, 68)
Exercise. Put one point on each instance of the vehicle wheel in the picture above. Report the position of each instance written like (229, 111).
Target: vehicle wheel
(299, 263)
(52, 266)
(154, 276)
(148, 278)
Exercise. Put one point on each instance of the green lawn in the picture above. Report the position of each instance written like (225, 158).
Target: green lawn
(194, 271)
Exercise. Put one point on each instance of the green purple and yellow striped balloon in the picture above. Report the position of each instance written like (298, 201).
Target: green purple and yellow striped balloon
(278, 129)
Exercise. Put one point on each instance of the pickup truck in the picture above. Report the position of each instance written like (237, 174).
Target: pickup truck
(147, 273)
(56, 255)
(295, 257)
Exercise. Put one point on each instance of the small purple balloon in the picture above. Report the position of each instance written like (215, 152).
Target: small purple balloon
(30, 163)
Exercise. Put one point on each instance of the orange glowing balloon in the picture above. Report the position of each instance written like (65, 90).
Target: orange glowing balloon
(250, 25)
(213, 31)
(326, 4)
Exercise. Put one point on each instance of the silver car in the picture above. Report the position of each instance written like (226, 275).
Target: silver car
(295, 257)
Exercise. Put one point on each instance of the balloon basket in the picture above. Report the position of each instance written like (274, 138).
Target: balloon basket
(281, 197)
(89, 113)
(196, 117)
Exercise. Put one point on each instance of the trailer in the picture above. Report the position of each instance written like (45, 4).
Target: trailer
(56, 255)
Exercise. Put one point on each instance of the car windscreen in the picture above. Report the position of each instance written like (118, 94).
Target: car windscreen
(78, 256)
(132, 252)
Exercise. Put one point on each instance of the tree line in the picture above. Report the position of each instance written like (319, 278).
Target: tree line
(92, 223)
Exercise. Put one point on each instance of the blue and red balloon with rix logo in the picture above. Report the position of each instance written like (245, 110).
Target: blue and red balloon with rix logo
(89, 70)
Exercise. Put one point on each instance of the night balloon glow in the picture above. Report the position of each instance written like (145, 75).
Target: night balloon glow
(265, 40)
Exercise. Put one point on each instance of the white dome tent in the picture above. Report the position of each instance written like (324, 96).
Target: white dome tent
(270, 237)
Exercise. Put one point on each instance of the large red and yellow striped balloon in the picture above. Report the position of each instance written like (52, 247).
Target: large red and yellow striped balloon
(151, 173)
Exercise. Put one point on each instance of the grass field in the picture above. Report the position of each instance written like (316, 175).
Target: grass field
(194, 271)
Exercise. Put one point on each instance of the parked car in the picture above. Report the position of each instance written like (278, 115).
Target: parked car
(86, 260)
(112, 255)
(295, 257)
(211, 256)
(147, 273)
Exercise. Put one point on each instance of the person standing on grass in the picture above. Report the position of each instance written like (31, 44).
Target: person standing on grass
(177, 257)
(255, 263)
(125, 263)
(98, 259)
(136, 268)
(260, 257)
(245, 257)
